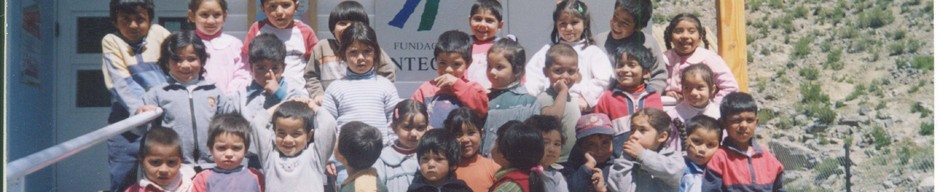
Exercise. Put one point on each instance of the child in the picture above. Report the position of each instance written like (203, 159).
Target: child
(630, 92)
(508, 98)
(561, 68)
(285, 140)
(726, 169)
(439, 154)
(573, 27)
(397, 164)
(325, 66)
(135, 45)
(161, 157)
(297, 37)
(703, 136)
(229, 138)
(698, 89)
(648, 164)
(226, 67)
(189, 101)
(358, 147)
(588, 169)
(451, 89)
(268, 88)
(479, 172)
(553, 140)
(683, 35)
(518, 150)
(486, 19)
(626, 27)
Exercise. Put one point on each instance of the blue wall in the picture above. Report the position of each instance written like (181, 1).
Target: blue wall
(30, 111)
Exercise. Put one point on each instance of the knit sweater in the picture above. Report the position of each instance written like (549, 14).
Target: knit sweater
(130, 70)
(325, 66)
(593, 65)
(363, 97)
(225, 65)
(299, 40)
(720, 71)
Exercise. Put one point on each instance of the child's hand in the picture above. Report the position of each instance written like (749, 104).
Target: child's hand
(318, 100)
(145, 108)
(445, 80)
(632, 148)
(582, 104)
(271, 85)
(674, 94)
(561, 86)
(330, 169)
(597, 180)
(590, 161)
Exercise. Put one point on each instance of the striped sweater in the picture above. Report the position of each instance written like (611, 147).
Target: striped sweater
(131, 70)
(363, 97)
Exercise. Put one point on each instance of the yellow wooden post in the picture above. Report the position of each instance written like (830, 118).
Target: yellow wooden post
(732, 38)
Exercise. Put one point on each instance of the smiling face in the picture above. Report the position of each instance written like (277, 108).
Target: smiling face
(280, 12)
(411, 131)
(740, 127)
(228, 151)
(570, 27)
(434, 167)
(133, 26)
(622, 24)
(702, 144)
(553, 143)
(451, 63)
(685, 37)
(563, 69)
(187, 67)
(469, 139)
(600, 146)
(162, 164)
(499, 70)
(209, 18)
(645, 134)
(484, 25)
(290, 137)
(630, 73)
(696, 91)
(360, 57)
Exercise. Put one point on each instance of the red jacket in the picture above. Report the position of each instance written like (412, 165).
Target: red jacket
(731, 169)
(618, 105)
(468, 94)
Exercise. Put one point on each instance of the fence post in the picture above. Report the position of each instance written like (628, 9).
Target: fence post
(732, 39)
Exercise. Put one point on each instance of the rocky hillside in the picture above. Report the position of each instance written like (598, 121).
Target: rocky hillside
(834, 77)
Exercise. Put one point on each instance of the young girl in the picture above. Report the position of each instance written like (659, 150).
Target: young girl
(553, 139)
(573, 27)
(225, 67)
(518, 150)
(229, 139)
(397, 164)
(508, 98)
(698, 89)
(683, 35)
(486, 20)
(702, 138)
(160, 156)
(479, 172)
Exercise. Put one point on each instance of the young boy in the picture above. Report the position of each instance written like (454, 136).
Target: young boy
(297, 37)
(135, 45)
(439, 154)
(268, 88)
(161, 157)
(630, 92)
(358, 147)
(628, 26)
(561, 68)
(740, 163)
(486, 20)
(289, 157)
(451, 89)
(479, 172)
(703, 137)
(229, 139)
(648, 164)
(589, 171)
(325, 66)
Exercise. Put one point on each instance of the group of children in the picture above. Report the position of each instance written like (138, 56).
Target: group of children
(286, 112)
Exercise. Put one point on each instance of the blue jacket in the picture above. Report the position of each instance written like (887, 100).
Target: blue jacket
(188, 113)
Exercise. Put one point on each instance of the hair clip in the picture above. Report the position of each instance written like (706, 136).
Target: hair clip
(580, 8)
(537, 168)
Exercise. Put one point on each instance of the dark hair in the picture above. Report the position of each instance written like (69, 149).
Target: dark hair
(578, 9)
(559, 50)
(460, 117)
(295, 110)
(522, 147)
(362, 33)
(545, 124)
(360, 143)
(159, 136)
(348, 10)
(699, 69)
(667, 34)
(231, 123)
(169, 50)
(266, 47)
(194, 5)
(406, 110)
(266, 1)
(641, 10)
(440, 141)
(638, 52)
(737, 102)
(454, 41)
(490, 5)
(513, 52)
(129, 6)
(700, 122)
(659, 119)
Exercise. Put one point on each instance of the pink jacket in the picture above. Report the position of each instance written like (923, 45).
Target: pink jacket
(225, 66)
(720, 71)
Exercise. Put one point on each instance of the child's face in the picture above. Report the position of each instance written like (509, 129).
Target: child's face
(498, 70)
(741, 127)
(702, 144)
(570, 27)
(360, 57)
(162, 164)
(267, 70)
(280, 12)
(552, 141)
(209, 17)
(498, 156)
(629, 72)
(340, 26)
(696, 91)
(645, 134)
(411, 131)
(622, 24)
(451, 63)
(290, 137)
(563, 69)
(599, 146)
(469, 139)
(484, 25)
(685, 37)
(435, 168)
(228, 151)
(133, 26)
(188, 67)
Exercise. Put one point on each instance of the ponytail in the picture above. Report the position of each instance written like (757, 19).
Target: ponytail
(535, 179)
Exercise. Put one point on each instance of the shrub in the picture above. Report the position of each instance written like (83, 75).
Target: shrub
(917, 87)
(881, 137)
(875, 18)
(913, 45)
(923, 62)
(898, 35)
(919, 108)
(765, 115)
(834, 60)
(896, 48)
(812, 92)
(809, 72)
(926, 128)
(802, 48)
(881, 105)
(859, 90)
(828, 167)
